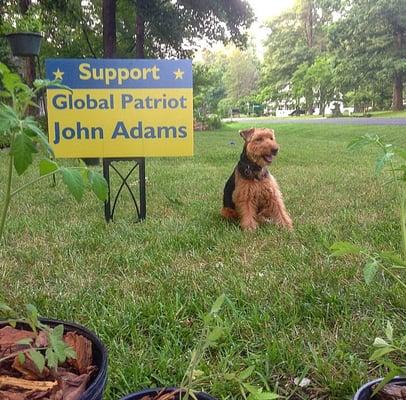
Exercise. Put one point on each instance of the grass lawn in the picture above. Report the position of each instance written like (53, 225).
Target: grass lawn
(385, 114)
(292, 310)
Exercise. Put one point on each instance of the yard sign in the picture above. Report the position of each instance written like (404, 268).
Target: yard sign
(120, 108)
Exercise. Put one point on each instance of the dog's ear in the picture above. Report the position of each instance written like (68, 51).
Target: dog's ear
(247, 133)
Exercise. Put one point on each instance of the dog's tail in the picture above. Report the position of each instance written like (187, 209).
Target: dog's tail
(229, 213)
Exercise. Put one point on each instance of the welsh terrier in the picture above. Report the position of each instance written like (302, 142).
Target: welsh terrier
(252, 193)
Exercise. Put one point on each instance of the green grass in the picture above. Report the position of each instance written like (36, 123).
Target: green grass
(385, 114)
(144, 287)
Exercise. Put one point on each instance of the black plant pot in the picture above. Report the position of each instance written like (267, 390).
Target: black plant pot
(97, 384)
(365, 392)
(24, 43)
(155, 391)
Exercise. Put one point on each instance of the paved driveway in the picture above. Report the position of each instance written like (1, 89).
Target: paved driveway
(338, 121)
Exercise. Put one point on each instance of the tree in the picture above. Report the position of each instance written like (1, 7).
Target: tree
(321, 76)
(208, 84)
(241, 75)
(109, 28)
(286, 49)
(302, 86)
(371, 37)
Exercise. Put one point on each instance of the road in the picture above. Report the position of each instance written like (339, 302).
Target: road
(338, 121)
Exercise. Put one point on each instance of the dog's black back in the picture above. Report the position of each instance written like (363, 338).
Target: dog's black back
(228, 192)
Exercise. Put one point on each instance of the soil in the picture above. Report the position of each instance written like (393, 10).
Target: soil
(20, 378)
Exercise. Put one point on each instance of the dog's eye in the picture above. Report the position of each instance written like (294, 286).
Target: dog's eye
(258, 140)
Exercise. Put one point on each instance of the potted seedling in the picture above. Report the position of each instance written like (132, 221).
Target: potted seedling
(26, 138)
(193, 377)
(389, 350)
(25, 35)
(45, 358)
(387, 353)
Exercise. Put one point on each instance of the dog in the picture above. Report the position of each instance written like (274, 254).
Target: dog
(252, 194)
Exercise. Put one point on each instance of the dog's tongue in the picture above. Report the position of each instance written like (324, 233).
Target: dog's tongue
(268, 159)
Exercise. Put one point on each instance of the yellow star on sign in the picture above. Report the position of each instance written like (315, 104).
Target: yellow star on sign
(178, 74)
(58, 74)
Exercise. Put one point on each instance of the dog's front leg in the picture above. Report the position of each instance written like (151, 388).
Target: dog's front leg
(276, 209)
(246, 211)
(280, 215)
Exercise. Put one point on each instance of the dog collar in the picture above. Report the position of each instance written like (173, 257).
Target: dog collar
(252, 171)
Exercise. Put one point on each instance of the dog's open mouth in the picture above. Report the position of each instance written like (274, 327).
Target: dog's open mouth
(267, 158)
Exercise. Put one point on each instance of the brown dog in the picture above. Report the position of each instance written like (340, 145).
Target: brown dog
(252, 193)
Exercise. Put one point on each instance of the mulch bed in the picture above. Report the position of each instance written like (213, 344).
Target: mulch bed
(23, 380)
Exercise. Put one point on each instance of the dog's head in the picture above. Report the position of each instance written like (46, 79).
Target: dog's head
(260, 145)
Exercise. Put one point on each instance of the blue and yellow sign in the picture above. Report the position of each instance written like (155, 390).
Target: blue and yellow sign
(120, 108)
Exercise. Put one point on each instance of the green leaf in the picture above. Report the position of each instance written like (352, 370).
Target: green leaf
(22, 150)
(45, 83)
(46, 166)
(214, 335)
(38, 359)
(99, 185)
(247, 373)
(382, 161)
(370, 270)
(30, 125)
(74, 182)
(12, 323)
(32, 317)
(389, 331)
(360, 142)
(379, 342)
(52, 360)
(57, 332)
(4, 94)
(217, 304)
(344, 248)
(3, 68)
(377, 354)
(9, 120)
(11, 81)
(388, 377)
(70, 353)
(21, 358)
(251, 388)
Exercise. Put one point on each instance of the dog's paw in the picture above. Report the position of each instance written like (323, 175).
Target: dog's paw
(288, 224)
(249, 225)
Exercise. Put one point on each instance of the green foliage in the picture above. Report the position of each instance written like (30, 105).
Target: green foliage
(26, 137)
(54, 353)
(74, 28)
(387, 354)
(388, 263)
(211, 333)
(29, 22)
(367, 43)
(210, 122)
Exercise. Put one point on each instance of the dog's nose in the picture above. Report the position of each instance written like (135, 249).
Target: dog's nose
(274, 152)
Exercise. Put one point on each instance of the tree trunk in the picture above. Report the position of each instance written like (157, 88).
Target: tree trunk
(29, 64)
(308, 19)
(397, 99)
(109, 29)
(140, 36)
